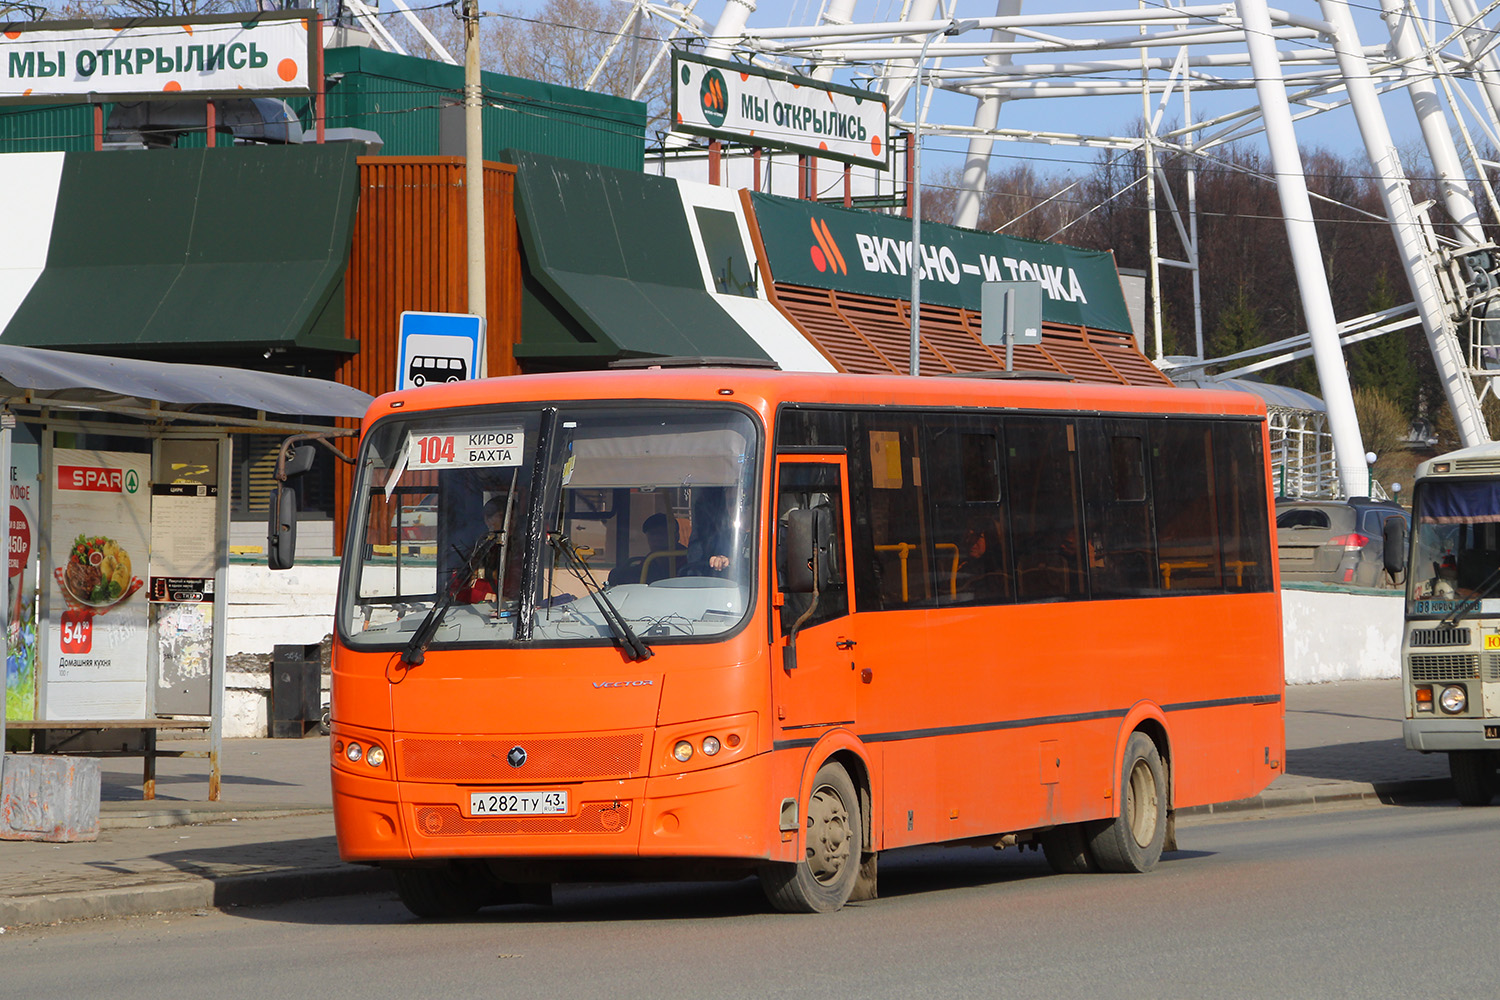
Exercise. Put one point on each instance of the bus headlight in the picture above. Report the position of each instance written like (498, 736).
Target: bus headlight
(354, 752)
(375, 757)
(683, 751)
(1454, 699)
(710, 745)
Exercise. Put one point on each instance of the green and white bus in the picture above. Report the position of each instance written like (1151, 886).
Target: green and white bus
(1450, 650)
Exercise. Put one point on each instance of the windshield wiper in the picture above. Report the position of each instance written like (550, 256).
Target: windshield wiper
(416, 650)
(629, 641)
(1480, 593)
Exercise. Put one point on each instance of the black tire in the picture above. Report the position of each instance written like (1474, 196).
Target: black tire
(1133, 840)
(824, 879)
(1473, 773)
(1067, 850)
(440, 892)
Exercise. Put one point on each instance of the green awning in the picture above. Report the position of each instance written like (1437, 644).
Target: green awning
(611, 268)
(241, 248)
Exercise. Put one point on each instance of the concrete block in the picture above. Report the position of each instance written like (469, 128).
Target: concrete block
(55, 799)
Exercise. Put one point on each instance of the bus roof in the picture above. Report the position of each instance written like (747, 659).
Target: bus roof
(764, 389)
(1475, 460)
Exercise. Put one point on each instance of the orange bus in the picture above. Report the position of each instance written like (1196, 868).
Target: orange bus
(710, 622)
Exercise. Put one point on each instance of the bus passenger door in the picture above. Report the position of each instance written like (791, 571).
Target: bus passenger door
(819, 657)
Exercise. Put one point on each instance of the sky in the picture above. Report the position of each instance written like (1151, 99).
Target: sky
(1334, 131)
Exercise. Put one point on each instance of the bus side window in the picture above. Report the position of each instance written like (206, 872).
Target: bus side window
(898, 547)
(1042, 477)
(1187, 505)
(1244, 528)
(971, 557)
(1121, 549)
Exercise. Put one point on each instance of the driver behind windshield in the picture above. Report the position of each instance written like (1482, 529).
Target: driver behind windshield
(663, 546)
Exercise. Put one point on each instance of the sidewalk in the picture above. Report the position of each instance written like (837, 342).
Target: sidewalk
(271, 838)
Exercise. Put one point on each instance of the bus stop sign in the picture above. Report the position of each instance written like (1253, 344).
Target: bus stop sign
(437, 348)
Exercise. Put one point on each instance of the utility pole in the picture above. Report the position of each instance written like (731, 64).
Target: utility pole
(474, 173)
(1302, 242)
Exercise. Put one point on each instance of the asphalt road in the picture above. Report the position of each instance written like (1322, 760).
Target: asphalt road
(1364, 903)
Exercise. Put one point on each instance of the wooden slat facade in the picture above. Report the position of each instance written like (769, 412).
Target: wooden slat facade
(410, 253)
(869, 335)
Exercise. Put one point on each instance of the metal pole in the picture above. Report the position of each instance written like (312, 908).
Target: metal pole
(7, 426)
(1302, 242)
(1429, 109)
(1148, 163)
(1477, 44)
(474, 172)
(915, 363)
(986, 117)
(1396, 194)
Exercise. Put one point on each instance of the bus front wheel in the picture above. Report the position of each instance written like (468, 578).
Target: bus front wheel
(1474, 778)
(1133, 840)
(824, 879)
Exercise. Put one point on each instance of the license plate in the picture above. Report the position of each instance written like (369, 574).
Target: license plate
(544, 803)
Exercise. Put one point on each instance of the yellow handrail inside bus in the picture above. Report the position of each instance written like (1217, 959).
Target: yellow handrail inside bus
(904, 549)
(901, 549)
(953, 574)
(1168, 565)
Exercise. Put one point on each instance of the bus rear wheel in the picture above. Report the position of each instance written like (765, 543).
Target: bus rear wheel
(441, 892)
(1133, 840)
(824, 879)
(1474, 778)
(1067, 850)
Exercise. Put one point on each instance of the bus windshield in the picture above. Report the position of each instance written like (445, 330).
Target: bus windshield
(1455, 564)
(536, 526)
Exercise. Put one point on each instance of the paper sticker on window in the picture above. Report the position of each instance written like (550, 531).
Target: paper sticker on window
(885, 460)
(465, 450)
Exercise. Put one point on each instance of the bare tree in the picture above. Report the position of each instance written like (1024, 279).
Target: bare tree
(563, 41)
(1018, 201)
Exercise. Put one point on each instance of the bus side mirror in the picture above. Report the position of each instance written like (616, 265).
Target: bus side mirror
(281, 534)
(301, 460)
(1394, 534)
(807, 530)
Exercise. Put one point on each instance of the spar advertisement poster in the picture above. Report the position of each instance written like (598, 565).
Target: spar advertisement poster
(20, 640)
(97, 628)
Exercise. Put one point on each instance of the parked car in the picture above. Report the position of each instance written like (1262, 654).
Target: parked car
(1359, 542)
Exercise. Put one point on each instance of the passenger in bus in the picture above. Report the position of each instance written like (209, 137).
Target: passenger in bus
(709, 545)
(482, 584)
(663, 549)
(1444, 584)
(981, 568)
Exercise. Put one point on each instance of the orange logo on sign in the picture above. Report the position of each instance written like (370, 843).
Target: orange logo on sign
(826, 253)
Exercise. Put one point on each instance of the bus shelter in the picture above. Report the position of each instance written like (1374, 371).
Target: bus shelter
(118, 506)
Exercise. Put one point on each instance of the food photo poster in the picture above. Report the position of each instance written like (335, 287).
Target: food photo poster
(97, 625)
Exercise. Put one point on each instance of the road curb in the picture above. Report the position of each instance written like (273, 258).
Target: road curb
(1332, 793)
(247, 890)
(192, 814)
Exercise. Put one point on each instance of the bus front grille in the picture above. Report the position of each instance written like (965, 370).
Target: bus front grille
(1444, 666)
(566, 758)
(1492, 666)
(1440, 637)
(593, 817)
